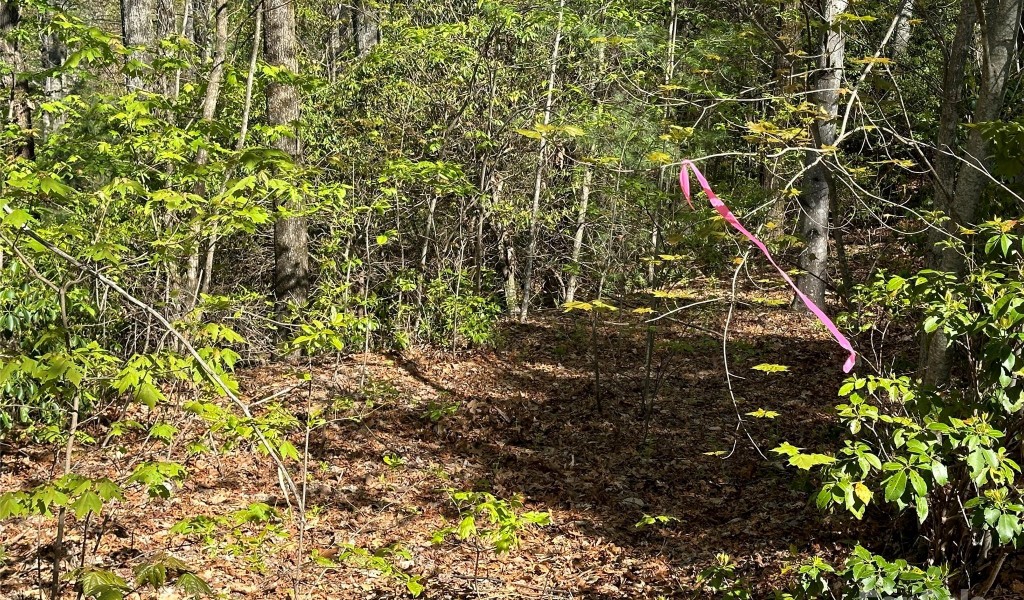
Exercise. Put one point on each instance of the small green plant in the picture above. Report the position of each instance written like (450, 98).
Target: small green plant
(245, 533)
(439, 411)
(159, 572)
(382, 561)
(721, 579)
(393, 460)
(866, 575)
(502, 520)
(648, 520)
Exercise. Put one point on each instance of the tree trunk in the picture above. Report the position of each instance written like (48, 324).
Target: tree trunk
(137, 30)
(250, 78)
(216, 79)
(365, 27)
(581, 226)
(165, 26)
(904, 27)
(53, 53)
(815, 197)
(199, 33)
(291, 240)
(18, 110)
(538, 186)
(999, 21)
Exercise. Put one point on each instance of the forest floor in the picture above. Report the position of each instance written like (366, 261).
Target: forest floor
(519, 420)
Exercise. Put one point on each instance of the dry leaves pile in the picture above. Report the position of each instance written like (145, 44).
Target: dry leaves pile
(520, 420)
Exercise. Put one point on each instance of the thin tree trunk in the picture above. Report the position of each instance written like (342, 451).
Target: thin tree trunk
(538, 186)
(216, 79)
(815, 197)
(199, 33)
(164, 27)
(581, 226)
(291, 239)
(904, 27)
(250, 78)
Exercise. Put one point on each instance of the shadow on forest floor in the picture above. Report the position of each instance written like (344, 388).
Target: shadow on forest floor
(528, 423)
(524, 420)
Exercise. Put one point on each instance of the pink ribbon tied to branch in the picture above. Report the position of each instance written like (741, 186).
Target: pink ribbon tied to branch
(716, 202)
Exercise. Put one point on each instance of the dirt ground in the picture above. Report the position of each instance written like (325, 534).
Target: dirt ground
(403, 432)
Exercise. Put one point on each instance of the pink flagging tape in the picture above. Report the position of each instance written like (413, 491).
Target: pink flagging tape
(716, 202)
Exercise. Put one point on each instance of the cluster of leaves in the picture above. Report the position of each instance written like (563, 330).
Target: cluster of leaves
(945, 455)
(382, 561)
(159, 572)
(503, 520)
(246, 533)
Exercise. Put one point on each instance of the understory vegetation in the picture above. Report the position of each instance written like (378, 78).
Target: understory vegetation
(302, 299)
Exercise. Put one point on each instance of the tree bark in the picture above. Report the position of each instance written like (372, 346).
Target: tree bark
(216, 79)
(137, 31)
(291, 239)
(581, 226)
(904, 28)
(250, 77)
(365, 27)
(815, 195)
(199, 32)
(18, 110)
(53, 53)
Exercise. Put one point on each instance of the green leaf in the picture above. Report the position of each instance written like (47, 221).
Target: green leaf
(152, 574)
(939, 473)
(54, 187)
(1007, 527)
(896, 486)
(10, 505)
(466, 528)
(148, 394)
(806, 461)
(918, 483)
(922, 508)
(287, 450)
(102, 584)
(88, 502)
(786, 449)
(414, 586)
(770, 368)
(17, 218)
(192, 585)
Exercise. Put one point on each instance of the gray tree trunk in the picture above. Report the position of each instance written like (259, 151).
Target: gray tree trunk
(577, 240)
(137, 30)
(365, 27)
(904, 27)
(216, 79)
(291, 240)
(18, 110)
(1000, 21)
(250, 79)
(199, 32)
(815, 195)
(56, 87)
